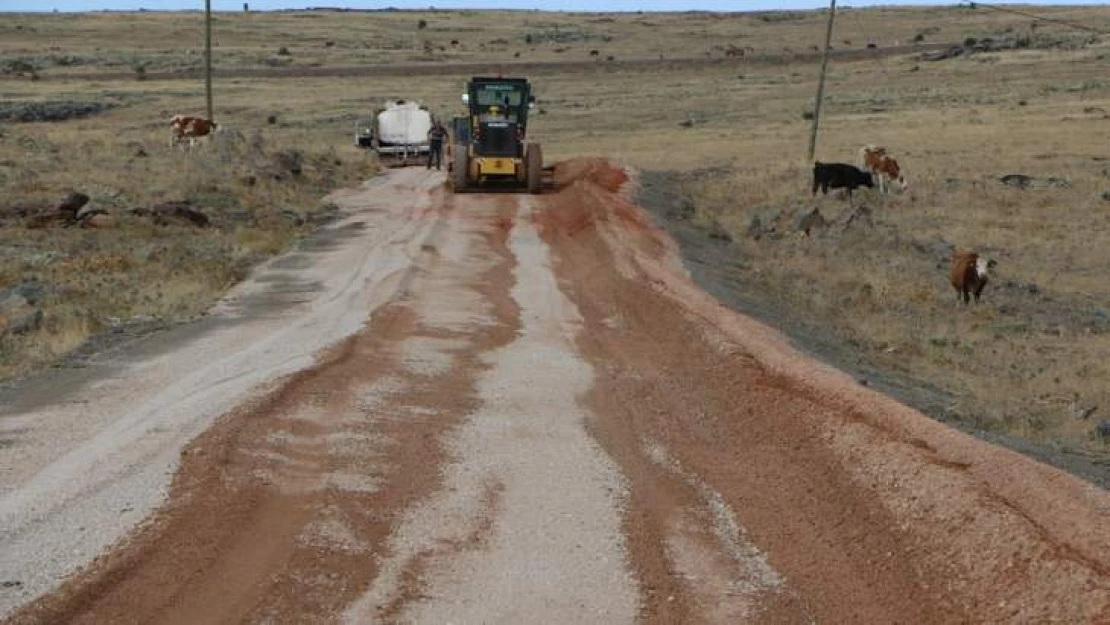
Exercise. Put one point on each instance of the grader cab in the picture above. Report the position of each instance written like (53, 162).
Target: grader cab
(490, 148)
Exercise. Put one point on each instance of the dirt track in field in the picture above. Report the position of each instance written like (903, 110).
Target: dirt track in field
(454, 68)
(546, 421)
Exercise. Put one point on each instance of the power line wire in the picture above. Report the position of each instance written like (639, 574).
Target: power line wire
(1041, 18)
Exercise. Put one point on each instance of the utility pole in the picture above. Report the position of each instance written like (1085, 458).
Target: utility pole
(821, 82)
(208, 55)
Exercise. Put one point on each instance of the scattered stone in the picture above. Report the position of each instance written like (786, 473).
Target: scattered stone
(1082, 411)
(326, 213)
(11, 302)
(1030, 288)
(718, 233)
(46, 220)
(937, 249)
(808, 221)
(182, 211)
(177, 211)
(1017, 181)
(286, 163)
(293, 216)
(241, 217)
(88, 210)
(756, 229)
(17, 66)
(25, 322)
(862, 215)
(73, 203)
(26, 294)
(940, 55)
(25, 112)
(1103, 429)
(682, 208)
(99, 221)
(1022, 181)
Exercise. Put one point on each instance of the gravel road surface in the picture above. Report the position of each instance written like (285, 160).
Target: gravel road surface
(504, 409)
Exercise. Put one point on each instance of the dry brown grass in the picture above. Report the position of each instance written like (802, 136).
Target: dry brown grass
(140, 272)
(1019, 362)
(965, 120)
(173, 41)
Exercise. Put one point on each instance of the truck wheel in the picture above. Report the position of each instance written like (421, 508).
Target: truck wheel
(459, 168)
(533, 160)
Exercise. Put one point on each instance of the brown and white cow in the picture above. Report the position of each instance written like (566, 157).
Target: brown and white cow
(882, 166)
(184, 128)
(969, 275)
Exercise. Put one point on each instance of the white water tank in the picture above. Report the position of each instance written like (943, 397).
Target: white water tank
(403, 122)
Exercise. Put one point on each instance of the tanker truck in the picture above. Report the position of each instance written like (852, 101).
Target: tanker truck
(398, 133)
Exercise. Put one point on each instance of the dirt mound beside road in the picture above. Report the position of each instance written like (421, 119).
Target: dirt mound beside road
(596, 171)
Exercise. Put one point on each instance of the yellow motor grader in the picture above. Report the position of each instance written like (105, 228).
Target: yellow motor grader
(489, 146)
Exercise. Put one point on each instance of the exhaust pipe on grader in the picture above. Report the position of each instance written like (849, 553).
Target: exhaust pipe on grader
(490, 148)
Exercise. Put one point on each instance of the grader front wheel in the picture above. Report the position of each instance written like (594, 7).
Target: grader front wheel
(533, 161)
(459, 169)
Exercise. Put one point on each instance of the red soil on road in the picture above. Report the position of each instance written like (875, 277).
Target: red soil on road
(757, 485)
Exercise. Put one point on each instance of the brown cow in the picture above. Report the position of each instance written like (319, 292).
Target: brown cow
(185, 128)
(177, 128)
(969, 275)
(882, 166)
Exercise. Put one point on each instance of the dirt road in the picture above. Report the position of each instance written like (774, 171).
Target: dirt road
(543, 420)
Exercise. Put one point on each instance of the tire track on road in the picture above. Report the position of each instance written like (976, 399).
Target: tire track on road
(527, 527)
(279, 508)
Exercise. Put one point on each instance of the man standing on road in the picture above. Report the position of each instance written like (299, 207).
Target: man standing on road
(436, 136)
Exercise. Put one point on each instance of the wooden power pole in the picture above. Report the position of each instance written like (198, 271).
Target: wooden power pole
(208, 56)
(821, 83)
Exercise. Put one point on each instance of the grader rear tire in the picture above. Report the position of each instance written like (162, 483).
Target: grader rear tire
(533, 160)
(459, 169)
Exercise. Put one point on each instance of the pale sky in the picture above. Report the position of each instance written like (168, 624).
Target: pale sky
(564, 5)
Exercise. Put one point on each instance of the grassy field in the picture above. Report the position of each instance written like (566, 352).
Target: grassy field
(167, 42)
(142, 273)
(1027, 361)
